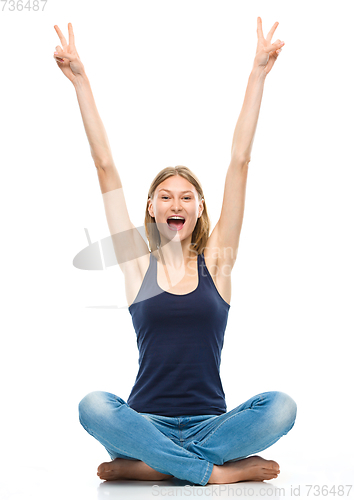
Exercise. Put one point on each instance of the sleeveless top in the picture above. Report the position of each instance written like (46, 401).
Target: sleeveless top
(180, 338)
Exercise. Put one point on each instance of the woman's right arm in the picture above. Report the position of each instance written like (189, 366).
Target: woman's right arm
(69, 62)
(125, 236)
(99, 145)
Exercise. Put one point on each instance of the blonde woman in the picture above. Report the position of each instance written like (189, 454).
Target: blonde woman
(175, 421)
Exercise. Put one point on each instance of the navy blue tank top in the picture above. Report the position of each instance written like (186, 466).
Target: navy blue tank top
(180, 338)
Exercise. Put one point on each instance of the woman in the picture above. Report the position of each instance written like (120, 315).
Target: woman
(175, 422)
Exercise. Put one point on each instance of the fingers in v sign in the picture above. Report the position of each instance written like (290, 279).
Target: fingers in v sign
(267, 52)
(67, 57)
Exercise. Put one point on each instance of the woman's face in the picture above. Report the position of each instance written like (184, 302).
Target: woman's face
(176, 196)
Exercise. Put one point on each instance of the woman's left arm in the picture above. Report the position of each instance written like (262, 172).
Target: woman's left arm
(226, 234)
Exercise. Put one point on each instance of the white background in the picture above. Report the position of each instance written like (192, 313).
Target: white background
(169, 80)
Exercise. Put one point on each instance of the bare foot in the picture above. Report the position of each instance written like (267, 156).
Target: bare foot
(120, 468)
(253, 468)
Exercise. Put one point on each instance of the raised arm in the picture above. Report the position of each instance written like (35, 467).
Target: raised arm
(71, 65)
(125, 236)
(226, 234)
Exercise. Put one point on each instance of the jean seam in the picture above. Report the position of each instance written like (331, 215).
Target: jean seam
(206, 471)
(202, 443)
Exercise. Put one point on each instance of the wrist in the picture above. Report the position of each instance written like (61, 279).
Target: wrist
(258, 72)
(80, 80)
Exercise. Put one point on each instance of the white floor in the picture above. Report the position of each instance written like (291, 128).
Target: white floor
(25, 481)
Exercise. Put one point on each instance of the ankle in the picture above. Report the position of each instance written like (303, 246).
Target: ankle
(138, 469)
(216, 474)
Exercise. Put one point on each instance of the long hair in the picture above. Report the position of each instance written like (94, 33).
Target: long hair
(200, 234)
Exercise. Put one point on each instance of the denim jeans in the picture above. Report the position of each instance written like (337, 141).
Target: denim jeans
(187, 446)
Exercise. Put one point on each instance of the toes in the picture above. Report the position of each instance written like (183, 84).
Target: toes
(274, 464)
(103, 468)
(270, 475)
(107, 473)
(105, 476)
(100, 468)
(112, 476)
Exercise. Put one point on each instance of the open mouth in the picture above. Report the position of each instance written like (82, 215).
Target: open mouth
(176, 224)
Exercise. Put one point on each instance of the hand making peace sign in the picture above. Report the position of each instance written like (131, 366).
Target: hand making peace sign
(267, 52)
(67, 57)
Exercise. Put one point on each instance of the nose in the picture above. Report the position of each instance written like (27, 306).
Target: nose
(176, 206)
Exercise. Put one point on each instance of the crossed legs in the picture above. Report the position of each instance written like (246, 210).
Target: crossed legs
(220, 456)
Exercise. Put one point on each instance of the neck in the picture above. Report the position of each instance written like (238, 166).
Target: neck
(176, 254)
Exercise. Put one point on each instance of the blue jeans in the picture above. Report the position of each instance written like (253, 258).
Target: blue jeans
(188, 446)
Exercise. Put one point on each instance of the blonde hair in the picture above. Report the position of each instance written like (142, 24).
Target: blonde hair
(200, 234)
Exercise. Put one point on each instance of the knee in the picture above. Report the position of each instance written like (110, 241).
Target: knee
(96, 404)
(284, 410)
(90, 404)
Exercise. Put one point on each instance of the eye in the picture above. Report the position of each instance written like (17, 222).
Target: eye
(185, 197)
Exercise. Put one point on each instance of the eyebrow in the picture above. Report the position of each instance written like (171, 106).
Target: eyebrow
(188, 191)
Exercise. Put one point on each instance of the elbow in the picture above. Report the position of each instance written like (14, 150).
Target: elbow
(103, 164)
(245, 160)
(241, 154)
(241, 161)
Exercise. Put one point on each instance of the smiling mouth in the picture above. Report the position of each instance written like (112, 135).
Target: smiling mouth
(176, 224)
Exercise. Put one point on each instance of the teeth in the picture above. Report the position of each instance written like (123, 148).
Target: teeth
(176, 217)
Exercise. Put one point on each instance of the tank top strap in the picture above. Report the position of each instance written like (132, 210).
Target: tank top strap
(148, 288)
(203, 267)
